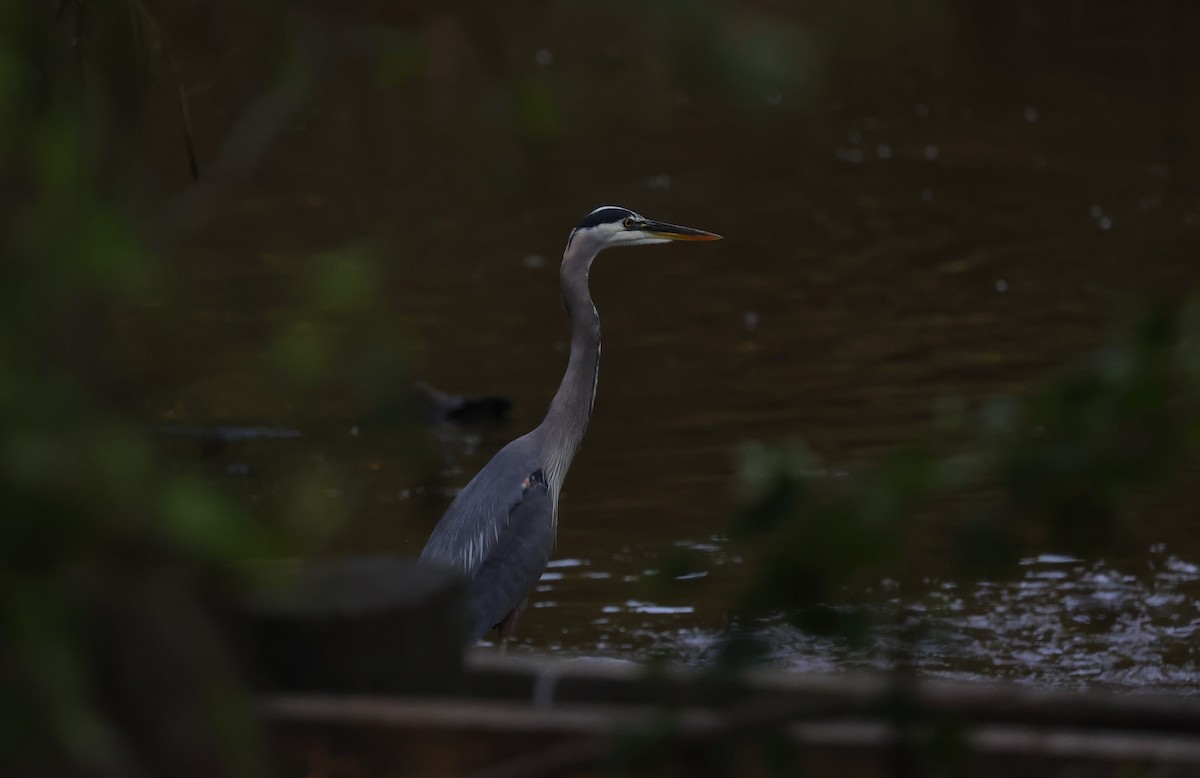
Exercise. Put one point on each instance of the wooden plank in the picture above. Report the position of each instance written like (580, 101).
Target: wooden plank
(546, 681)
(335, 736)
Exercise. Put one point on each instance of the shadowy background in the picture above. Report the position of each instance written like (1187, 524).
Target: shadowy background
(235, 235)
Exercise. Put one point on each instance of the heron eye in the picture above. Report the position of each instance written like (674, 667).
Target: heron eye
(629, 223)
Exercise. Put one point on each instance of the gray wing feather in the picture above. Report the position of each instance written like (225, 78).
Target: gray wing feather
(499, 531)
(516, 563)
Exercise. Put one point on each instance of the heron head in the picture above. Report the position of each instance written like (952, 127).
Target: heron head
(611, 225)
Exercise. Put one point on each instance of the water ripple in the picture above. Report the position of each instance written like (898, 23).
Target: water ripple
(1065, 623)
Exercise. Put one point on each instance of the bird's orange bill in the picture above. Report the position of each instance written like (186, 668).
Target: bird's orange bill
(675, 232)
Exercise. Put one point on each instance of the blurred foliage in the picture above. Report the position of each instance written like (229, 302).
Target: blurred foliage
(110, 661)
(112, 657)
(1053, 470)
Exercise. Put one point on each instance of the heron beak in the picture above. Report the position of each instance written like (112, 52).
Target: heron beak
(675, 232)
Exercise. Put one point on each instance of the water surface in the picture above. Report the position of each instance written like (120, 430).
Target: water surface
(959, 229)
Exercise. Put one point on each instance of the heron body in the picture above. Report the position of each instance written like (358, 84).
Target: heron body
(500, 529)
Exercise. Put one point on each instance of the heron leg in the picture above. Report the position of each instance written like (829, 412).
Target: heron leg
(509, 624)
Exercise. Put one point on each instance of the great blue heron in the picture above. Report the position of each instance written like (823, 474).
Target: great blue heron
(500, 529)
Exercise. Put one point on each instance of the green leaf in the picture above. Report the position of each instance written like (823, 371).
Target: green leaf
(201, 521)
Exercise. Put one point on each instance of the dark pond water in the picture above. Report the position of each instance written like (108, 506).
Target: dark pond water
(950, 220)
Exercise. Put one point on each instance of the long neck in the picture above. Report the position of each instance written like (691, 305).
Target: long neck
(571, 408)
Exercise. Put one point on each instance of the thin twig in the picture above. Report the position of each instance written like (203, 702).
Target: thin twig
(244, 149)
(137, 9)
(139, 42)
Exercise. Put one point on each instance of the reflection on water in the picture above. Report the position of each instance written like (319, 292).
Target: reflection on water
(1065, 622)
(1068, 622)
